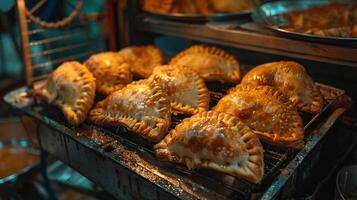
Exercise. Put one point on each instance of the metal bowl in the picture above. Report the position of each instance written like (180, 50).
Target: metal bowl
(18, 144)
(267, 15)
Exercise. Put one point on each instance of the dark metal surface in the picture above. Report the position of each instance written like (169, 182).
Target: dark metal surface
(267, 15)
(125, 166)
(201, 17)
(231, 35)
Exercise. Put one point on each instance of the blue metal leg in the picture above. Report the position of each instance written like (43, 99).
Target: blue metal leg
(46, 182)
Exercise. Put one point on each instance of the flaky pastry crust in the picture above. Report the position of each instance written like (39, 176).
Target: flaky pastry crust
(110, 71)
(142, 59)
(141, 106)
(216, 141)
(71, 87)
(291, 79)
(267, 111)
(186, 90)
(211, 63)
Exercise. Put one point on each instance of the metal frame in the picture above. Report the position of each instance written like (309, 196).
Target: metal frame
(25, 40)
(53, 55)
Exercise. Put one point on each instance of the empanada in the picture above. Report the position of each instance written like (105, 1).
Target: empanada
(186, 90)
(157, 6)
(110, 70)
(216, 141)
(210, 63)
(142, 59)
(141, 106)
(267, 111)
(291, 79)
(184, 7)
(71, 87)
(232, 6)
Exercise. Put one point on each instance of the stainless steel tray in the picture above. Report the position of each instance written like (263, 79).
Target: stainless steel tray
(267, 15)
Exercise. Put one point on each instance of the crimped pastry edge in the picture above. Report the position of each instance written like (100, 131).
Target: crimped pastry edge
(99, 115)
(203, 94)
(297, 134)
(86, 99)
(156, 58)
(125, 78)
(74, 113)
(233, 77)
(318, 101)
(254, 148)
(122, 71)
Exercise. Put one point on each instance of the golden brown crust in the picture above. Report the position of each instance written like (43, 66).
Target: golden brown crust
(217, 141)
(142, 59)
(330, 20)
(211, 63)
(267, 111)
(157, 6)
(71, 87)
(142, 106)
(196, 7)
(204, 7)
(178, 6)
(231, 6)
(184, 6)
(110, 71)
(186, 90)
(291, 79)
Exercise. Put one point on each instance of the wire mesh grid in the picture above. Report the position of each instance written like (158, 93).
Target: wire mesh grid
(44, 49)
(132, 151)
(275, 157)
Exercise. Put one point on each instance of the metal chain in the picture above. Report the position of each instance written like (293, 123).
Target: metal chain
(58, 24)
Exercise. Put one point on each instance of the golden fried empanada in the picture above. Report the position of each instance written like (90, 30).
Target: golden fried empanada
(210, 63)
(186, 90)
(141, 106)
(71, 87)
(184, 7)
(204, 7)
(157, 6)
(110, 70)
(291, 79)
(231, 6)
(216, 141)
(267, 111)
(142, 59)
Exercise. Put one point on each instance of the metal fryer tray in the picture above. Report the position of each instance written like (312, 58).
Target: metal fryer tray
(135, 155)
(267, 15)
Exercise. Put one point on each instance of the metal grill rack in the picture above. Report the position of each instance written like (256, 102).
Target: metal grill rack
(135, 156)
(45, 49)
(274, 159)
